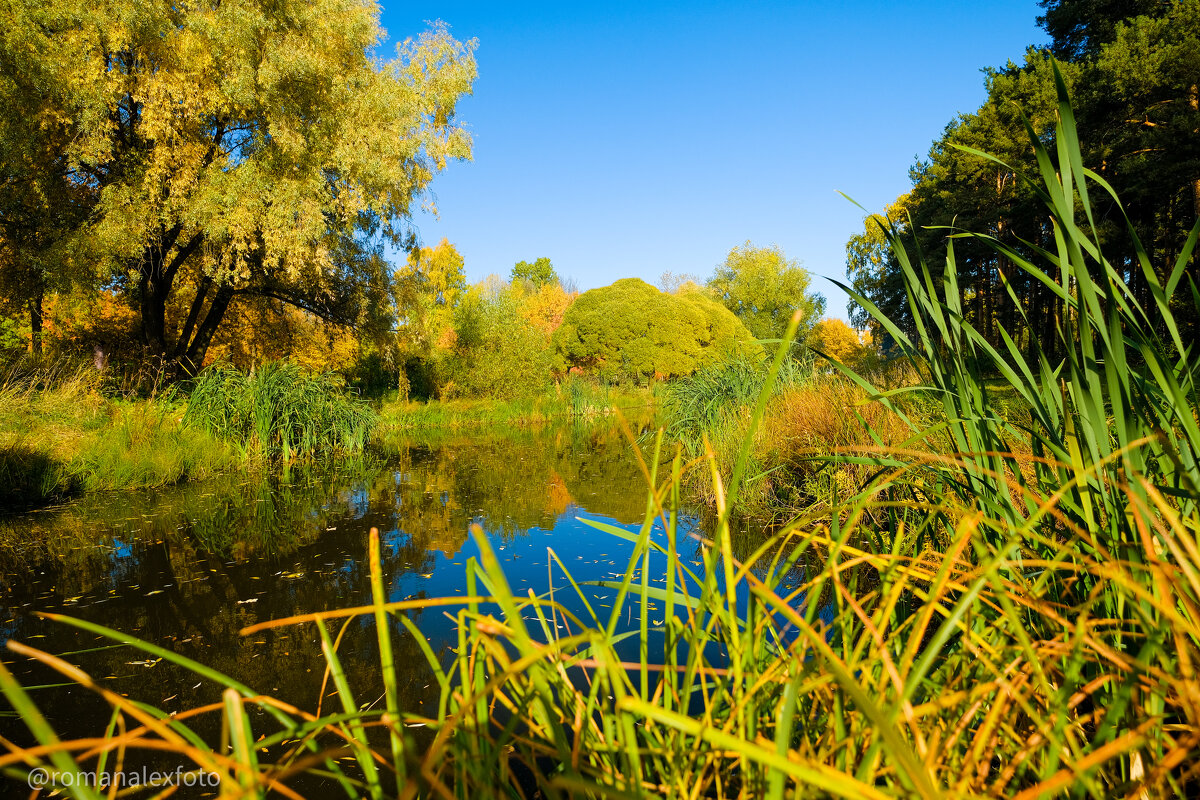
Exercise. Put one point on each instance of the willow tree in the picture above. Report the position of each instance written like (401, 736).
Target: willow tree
(764, 288)
(240, 148)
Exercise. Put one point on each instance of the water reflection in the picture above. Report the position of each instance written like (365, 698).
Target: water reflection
(186, 568)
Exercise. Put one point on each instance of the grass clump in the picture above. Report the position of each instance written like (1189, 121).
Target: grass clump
(710, 402)
(807, 417)
(279, 410)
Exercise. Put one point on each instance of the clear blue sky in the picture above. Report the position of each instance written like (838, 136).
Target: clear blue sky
(627, 139)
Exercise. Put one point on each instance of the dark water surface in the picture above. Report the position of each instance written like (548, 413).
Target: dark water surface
(188, 567)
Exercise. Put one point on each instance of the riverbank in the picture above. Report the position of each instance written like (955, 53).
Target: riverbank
(62, 436)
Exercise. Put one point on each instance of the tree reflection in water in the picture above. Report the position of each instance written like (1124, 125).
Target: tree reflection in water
(188, 567)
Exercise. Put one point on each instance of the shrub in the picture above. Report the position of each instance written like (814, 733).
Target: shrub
(498, 352)
(632, 331)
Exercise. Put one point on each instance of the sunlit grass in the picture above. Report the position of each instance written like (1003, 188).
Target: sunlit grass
(59, 435)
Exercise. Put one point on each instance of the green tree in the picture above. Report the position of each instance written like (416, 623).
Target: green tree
(1134, 70)
(498, 351)
(632, 330)
(432, 279)
(956, 189)
(1079, 28)
(41, 204)
(236, 149)
(428, 288)
(764, 289)
(540, 273)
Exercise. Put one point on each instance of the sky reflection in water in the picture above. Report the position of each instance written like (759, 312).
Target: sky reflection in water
(188, 567)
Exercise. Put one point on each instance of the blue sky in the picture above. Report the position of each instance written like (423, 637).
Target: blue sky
(627, 139)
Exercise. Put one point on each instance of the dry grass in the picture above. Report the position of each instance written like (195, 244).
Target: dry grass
(791, 469)
(804, 427)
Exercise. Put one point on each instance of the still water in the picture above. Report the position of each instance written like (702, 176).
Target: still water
(188, 567)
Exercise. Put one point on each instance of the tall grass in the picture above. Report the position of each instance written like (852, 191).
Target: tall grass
(60, 435)
(1112, 429)
(279, 410)
(708, 402)
(1019, 625)
(807, 417)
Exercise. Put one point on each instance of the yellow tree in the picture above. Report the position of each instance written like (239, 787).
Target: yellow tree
(837, 340)
(238, 149)
(543, 307)
(428, 288)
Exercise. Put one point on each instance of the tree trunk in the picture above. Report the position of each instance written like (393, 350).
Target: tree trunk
(153, 298)
(156, 281)
(35, 324)
(194, 358)
(185, 336)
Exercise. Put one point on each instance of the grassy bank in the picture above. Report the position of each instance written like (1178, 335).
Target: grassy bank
(574, 398)
(1001, 611)
(60, 435)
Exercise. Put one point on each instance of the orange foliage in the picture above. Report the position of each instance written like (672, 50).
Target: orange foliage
(544, 308)
(80, 320)
(259, 330)
(558, 496)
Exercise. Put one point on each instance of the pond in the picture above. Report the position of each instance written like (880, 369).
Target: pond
(188, 567)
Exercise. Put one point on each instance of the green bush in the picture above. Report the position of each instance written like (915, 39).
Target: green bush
(498, 354)
(632, 331)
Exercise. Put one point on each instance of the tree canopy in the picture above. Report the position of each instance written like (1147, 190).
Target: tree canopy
(837, 340)
(197, 155)
(1132, 67)
(764, 289)
(631, 329)
(538, 274)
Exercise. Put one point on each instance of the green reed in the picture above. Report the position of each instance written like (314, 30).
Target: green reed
(707, 402)
(279, 410)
